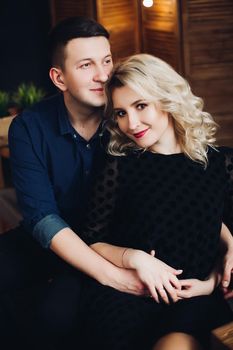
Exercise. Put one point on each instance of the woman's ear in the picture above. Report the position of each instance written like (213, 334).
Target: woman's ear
(57, 78)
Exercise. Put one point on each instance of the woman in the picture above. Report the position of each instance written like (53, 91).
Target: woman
(158, 203)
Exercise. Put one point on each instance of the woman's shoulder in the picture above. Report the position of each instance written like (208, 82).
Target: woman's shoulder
(222, 152)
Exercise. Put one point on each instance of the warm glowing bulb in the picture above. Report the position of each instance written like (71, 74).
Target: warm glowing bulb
(147, 3)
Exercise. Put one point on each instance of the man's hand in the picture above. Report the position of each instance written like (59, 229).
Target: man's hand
(127, 281)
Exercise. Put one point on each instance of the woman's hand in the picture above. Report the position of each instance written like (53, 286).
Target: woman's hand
(193, 287)
(158, 277)
(227, 273)
(227, 265)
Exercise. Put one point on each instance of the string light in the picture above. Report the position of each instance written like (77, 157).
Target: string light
(147, 3)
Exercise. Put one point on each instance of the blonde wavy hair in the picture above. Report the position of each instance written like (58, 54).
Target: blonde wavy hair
(155, 81)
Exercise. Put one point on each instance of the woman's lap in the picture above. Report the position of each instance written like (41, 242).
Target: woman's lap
(121, 321)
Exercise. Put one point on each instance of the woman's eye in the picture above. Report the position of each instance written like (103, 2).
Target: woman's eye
(120, 114)
(141, 106)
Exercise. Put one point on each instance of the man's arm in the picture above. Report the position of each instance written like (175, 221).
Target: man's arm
(41, 215)
(68, 246)
(159, 278)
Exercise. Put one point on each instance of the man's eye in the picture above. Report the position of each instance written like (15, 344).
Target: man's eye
(108, 61)
(85, 65)
(141, 106)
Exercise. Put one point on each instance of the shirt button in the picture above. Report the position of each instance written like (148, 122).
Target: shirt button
(88, 145)
(74, 136)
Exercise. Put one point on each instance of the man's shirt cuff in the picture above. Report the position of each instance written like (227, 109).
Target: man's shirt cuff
(47, 228)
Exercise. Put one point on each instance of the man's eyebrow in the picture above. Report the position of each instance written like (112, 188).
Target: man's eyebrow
(91, 58)
(83, 59)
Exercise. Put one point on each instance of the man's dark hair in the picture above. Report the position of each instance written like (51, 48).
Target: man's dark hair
(68, 29)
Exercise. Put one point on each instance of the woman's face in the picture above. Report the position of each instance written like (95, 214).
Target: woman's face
(142, 121)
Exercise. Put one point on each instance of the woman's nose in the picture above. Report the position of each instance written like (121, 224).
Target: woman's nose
(133, 121)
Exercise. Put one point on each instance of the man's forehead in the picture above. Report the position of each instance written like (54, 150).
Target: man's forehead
(88, 48)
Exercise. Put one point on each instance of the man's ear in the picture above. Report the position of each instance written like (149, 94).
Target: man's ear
(57, 78)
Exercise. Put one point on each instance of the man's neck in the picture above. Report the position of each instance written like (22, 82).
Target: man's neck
(84, 119)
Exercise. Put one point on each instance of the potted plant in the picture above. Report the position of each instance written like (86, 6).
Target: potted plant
(4, 102)
(27, 94)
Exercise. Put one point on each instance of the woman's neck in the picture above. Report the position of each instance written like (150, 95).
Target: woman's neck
(168, 143)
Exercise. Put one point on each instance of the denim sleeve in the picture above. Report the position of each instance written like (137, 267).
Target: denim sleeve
(30, 174)
(47, 228)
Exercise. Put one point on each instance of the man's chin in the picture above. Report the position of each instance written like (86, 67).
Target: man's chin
(97, 103)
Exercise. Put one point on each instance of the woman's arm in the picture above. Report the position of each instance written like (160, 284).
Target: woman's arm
(158, 277)
(193, 287)
(227, 245)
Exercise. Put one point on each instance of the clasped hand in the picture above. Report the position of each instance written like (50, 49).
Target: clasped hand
(161, 279)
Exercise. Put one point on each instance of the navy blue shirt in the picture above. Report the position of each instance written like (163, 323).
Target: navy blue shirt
(53, 167)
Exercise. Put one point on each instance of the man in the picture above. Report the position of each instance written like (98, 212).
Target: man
(53, 147)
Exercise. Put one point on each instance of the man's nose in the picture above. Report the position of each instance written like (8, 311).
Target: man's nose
(101, 74)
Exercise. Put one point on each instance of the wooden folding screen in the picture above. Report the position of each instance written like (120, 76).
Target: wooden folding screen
(161, 31)
(120, 17)
(194, 36)
(208, 58)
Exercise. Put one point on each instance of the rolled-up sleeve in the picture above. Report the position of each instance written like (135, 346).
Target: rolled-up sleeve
(47, 228)
(31, 180)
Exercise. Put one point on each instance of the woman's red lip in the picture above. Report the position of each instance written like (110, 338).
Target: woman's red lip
(140, 134)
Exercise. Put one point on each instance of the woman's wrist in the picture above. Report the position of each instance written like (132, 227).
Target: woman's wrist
(214, 279)
(131, 258)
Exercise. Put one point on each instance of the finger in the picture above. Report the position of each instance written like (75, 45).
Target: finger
(163, 294)
(226, 276)
(185, 283)
(152, 253)
(228, 295)
(175, 282)
(184, 294)
(174, 271)
(153, 293)
(172, 292)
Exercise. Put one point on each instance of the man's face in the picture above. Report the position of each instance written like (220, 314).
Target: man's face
(88, 63)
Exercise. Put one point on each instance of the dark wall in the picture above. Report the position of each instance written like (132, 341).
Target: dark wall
(24, 25)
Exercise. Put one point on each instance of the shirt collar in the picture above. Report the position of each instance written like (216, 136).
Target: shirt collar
(65, 126)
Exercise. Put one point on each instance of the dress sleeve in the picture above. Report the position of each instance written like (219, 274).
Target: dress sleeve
(228, 205)
(100, 210)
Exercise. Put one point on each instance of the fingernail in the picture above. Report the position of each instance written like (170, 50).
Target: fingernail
(225, 283)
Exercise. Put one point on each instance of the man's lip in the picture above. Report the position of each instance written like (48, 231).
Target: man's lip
(140, 134)
(98, 89)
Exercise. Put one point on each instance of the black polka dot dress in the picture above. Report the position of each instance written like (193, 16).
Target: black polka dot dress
(172, 205)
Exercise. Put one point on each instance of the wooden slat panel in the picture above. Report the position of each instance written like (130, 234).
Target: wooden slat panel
(61, 9)
(161, 31)
(120, 17)
(208, 52)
